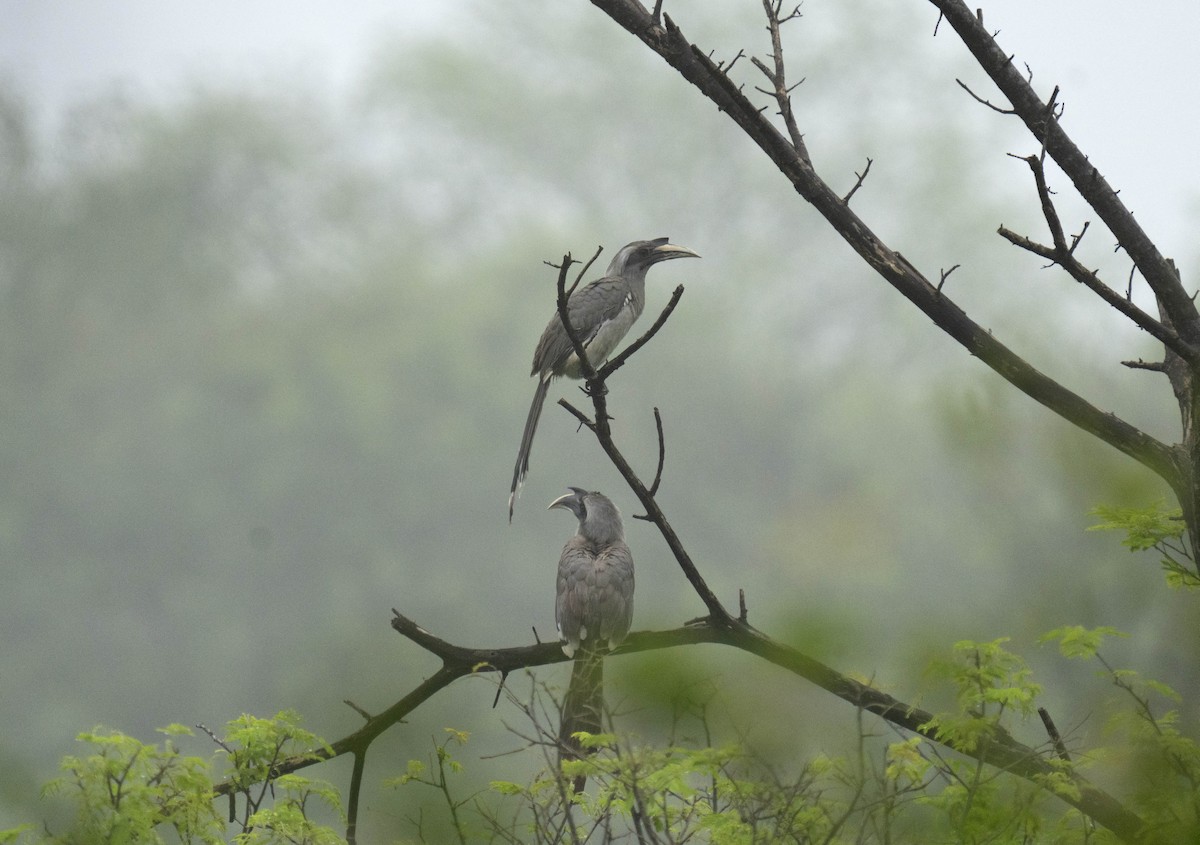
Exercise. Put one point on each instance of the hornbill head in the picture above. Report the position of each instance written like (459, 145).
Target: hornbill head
(645, 254)
(599, 519)
(573, 502)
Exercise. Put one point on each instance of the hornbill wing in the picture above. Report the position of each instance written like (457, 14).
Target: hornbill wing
(601, 313)
(574, 595)
(614, 593)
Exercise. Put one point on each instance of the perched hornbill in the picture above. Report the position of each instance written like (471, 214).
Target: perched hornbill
(593, 609)
(600, 312)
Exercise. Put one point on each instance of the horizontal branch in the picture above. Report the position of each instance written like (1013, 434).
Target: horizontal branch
(1002, 751)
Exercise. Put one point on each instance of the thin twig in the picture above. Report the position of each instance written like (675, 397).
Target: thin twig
(583, 269)
(662, 452)
(1063, 254)
(617, 362)
(781, 91)
(981, 100)
(564, 315)
(945, 274)
(858, 184)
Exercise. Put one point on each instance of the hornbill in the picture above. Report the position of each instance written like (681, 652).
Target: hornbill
(592, 611)
(600, 312)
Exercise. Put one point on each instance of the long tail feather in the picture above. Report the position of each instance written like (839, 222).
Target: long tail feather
(582, 708)
(531, 423)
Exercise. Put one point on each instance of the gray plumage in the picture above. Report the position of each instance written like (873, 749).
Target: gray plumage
(593, 609)
(601, 313)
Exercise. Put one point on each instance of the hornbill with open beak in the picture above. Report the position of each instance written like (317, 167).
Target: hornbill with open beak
(600, 312)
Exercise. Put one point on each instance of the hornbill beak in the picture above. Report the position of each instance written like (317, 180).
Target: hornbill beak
(572, 501)
(669, 251)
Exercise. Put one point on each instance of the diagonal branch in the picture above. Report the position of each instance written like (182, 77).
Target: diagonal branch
(1063, 254)
(1092, 186)
(654, 513)
(695, 66)
(615, 363)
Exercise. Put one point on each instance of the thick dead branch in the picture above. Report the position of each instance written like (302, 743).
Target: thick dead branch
(1087, 180)
(695, 66)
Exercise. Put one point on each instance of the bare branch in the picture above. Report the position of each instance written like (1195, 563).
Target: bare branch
(1060, 747)
(662, 452)
(564, 315)
(582, 270)
(1139, 364)
(858, 184)
(981, 100)
(356, 779)
(654, 513)
(1092, 186)
(778, 77)
(945, 274)
(728, 67)
(694, 65)
(616, 363)
(1002, 751)
(1063, 254)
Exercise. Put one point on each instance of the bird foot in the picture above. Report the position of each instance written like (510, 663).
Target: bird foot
(595, 388)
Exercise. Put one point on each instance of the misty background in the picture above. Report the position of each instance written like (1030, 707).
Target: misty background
(271, 281)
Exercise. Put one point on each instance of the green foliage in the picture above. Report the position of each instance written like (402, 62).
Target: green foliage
(903, 791)
(287, 821)
(988, 682)
(255, 746)
(715, 795)
(127, 792)
(443, 763)
(1075, 641)
(1157, 528)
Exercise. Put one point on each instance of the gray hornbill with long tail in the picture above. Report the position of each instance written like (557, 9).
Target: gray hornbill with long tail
(593, 609)
(601, 313)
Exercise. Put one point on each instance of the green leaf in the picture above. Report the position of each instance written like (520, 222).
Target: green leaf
(1075, 641)
(505, 787)
(11, 835)
(1144, 528)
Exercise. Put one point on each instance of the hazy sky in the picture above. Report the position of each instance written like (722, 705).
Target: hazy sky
(1120, 64)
